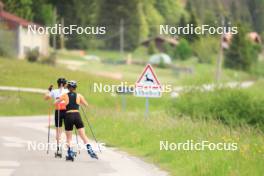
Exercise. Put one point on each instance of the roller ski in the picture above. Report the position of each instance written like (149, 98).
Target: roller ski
(71, 155)
(58, 153)
(91, 152)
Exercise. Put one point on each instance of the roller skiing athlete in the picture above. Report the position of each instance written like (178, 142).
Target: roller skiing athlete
(60, 110)
(73, 100)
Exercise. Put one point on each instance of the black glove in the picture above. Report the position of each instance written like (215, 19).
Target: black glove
(50, 87)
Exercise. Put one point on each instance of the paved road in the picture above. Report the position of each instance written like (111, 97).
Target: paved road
(16, 133)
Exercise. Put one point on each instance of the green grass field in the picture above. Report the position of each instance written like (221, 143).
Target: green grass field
(21, 103)
(132, 133)
(129, 130)
(202, 73)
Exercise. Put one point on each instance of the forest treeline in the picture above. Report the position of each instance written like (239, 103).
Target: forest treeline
(141, 18)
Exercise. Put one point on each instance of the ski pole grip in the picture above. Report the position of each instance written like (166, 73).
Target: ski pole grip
(50, 87)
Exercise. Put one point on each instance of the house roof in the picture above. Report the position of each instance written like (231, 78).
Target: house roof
(170, 40)
(15, 19)
(252, 36)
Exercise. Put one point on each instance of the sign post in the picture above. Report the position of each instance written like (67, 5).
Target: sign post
(148, 86)
(124, 91)
(123, 102)
(147, 107)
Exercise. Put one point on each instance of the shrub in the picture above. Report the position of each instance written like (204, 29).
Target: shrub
(231, 106)
(183, 50)
(32, 55)
(50, 60)
(168, 49)
(7, 43)
(162, 64)
(242, 53)
(152, 48)
(2, 52)
(206, 49)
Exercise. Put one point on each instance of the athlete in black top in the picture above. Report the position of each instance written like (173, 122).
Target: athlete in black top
(73, 100)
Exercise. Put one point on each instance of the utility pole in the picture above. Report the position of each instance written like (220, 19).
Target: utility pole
(54, 36)
(220, 56)
(121, 32)
(62, 34)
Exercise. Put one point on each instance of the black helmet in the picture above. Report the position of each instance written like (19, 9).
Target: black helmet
(72, 84)
(61, 81)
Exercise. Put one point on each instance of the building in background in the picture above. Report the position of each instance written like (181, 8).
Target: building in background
(15, 38)
(251, 36)
(160, 41)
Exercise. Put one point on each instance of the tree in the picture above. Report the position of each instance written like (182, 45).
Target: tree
(171, 10)
(256, 9)
(143, 23)
(188, 6)
(77, 12)
(42, 12)
(21, 8)
(110, 14)
(193, 36)
(182, 23)
(241, 53)
(153, 16)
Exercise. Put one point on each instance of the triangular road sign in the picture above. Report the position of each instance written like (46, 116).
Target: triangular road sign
(148, 77)
(148, 84)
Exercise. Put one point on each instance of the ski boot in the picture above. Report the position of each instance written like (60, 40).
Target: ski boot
(91, 152)
(71, 155)
(58, 154)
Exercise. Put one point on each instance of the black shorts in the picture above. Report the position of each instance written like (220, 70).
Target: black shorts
(71, 119)
(61, 114)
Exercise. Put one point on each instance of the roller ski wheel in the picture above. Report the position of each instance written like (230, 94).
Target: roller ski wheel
(58, 155)
(74, 154)
(71, 155)
(93, 155)
(69, 158)
(91, 152)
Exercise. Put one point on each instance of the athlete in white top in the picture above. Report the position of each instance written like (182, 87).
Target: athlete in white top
(60, 108)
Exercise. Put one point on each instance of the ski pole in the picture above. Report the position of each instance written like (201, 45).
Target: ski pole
(58, 130)
(49, 131)
(77, 141)
(91, 130)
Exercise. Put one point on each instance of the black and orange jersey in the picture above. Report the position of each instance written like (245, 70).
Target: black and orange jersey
(73, 100)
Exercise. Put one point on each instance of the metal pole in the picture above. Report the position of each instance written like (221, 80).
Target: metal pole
(220, 57)
(58, 128)
(77, 141)
(121, 37)
(54, 36)
(123, 102)
(91, 129)
(49, 131)
(147, 108)
(62, 34)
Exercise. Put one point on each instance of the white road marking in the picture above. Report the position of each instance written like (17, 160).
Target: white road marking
(5, 167)
(9, 164)
(6, 172)
(17, 145)
(13, 139)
